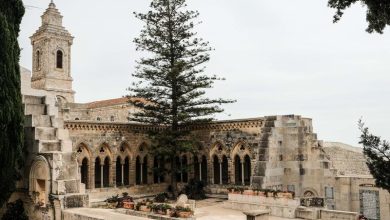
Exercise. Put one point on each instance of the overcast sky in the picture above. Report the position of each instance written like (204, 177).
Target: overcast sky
(278, 57)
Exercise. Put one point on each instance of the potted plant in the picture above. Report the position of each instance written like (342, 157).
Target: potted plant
(161, 209)
(143, 206)
(183, 212)
(112, 202)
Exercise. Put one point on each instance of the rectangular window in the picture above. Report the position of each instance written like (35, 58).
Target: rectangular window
(329, 192)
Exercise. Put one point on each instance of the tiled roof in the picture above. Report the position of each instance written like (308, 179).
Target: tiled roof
(108, 102)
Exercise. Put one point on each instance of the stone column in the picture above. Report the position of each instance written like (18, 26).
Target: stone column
(80, 177)
(101, 176)
(141, 174)
(242, 173)
(220, 173)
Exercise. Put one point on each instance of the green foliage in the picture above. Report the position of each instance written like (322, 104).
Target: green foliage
(195, 190)
(160, 207)
(378, 12)
(377, 152)
(171, 81)
(113, 199)
(15, 211)
(161, 197)
(11, 110)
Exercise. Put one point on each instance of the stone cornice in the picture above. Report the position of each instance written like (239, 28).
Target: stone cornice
(117, 126)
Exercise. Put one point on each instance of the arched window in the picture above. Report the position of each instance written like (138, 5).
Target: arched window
(85, 172)
(38, 59)
(60, 57)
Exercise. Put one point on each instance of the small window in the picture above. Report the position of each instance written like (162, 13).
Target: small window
(112, 118)
(60, 57)
(329, 192)
(98, 119)
(77, 119)
(38, 59)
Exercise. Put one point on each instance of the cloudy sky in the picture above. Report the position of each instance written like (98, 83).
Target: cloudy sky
(278, 57)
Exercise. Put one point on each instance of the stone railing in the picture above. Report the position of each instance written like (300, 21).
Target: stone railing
(333, 214)
(281, 207)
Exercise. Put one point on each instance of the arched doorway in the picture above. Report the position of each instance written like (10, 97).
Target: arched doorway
(156, 167)
(204, 169)
(197, 169)
(247, 170)
(225, 170)
(106, 172)
(145, 170)
(138, 171)
(118, 173)
(184, 169)
(237, 170)
(85, 172)
(216, 169)
(178, 169)
(97, 173)
(126, 172)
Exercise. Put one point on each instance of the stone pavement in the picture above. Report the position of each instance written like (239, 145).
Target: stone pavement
(106, 214)
(213, 210)
(209, 209)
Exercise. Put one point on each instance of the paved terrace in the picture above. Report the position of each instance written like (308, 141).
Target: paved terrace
(210, 209)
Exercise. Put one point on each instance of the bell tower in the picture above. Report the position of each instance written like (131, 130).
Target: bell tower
(51, 70)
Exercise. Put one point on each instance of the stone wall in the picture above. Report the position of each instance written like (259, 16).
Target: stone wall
(346, 159)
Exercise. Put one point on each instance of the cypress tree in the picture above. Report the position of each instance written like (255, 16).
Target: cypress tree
(11, 110)
(170, 91)
(377, 152)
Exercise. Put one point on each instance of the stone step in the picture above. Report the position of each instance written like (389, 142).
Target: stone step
(37, 121)
(49, 146)
(34, 109)
(28, 99)
(45, 133)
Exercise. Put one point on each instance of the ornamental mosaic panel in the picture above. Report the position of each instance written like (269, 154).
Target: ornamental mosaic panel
(369, 204)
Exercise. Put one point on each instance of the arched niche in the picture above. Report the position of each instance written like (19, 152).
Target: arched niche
(39, 181)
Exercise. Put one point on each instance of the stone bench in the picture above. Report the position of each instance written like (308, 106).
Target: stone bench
(257, 214)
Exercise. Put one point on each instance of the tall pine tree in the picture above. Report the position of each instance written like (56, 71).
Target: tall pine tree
(11, 111)
(171, 80)
(377, 152)
(378, 12)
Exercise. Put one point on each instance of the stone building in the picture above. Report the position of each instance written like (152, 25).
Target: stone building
(79, 154)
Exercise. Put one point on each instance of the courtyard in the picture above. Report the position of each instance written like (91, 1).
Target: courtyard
(208, 209)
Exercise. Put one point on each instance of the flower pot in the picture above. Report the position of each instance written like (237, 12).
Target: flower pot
(248, 192)
(128, 205)
(144, 208)
(112, 205)
(185, 214)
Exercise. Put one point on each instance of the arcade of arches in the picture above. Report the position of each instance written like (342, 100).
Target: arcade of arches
(102, 168)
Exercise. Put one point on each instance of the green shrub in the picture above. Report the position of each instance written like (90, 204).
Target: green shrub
(161, 197)
(15, 211)
(195, 190)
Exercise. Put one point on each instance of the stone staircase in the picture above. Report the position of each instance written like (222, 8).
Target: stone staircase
(44, 126)
(261, 163)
